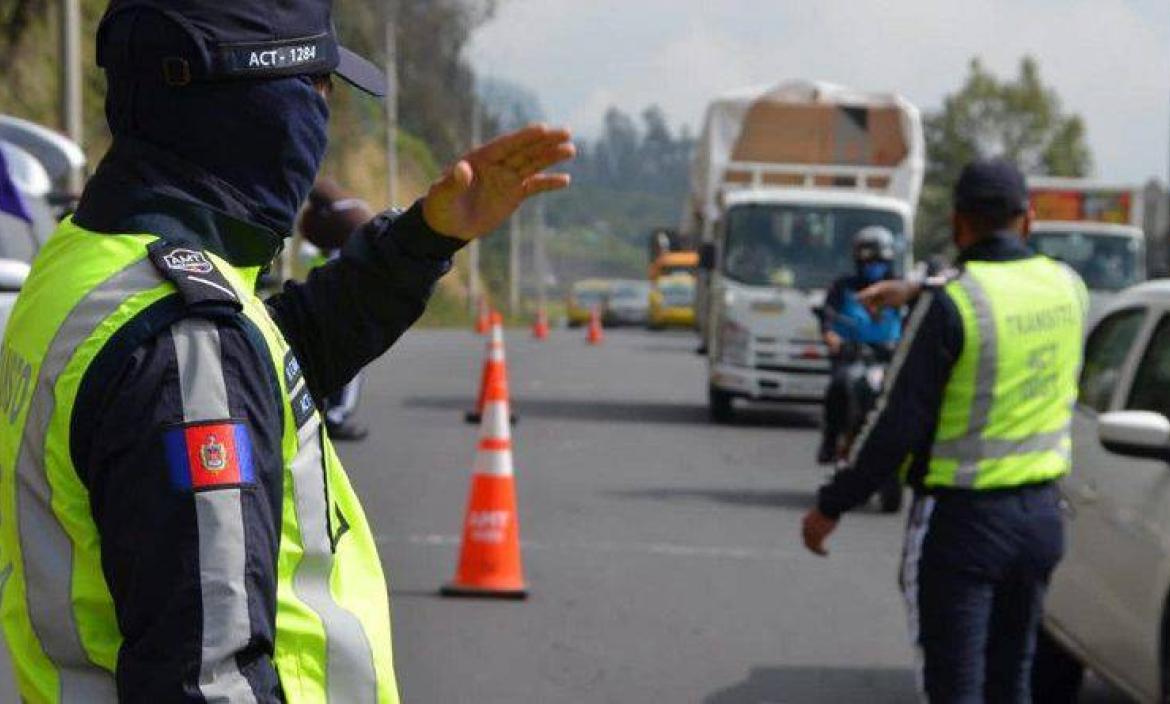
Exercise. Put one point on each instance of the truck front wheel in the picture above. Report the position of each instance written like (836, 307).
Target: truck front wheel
(719, 403)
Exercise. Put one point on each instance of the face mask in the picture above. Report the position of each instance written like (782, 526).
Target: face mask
(265, 138)
(875, 271)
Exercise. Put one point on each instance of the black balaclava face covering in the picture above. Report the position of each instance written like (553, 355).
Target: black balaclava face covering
(264, 138)
(874, 270)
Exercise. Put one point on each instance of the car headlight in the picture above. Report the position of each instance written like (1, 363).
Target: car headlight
(734, 343)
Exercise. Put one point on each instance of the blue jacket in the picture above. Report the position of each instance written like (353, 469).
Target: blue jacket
(845, 316)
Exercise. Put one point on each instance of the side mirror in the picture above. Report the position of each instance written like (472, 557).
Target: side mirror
(1141, 434)
(707, 256)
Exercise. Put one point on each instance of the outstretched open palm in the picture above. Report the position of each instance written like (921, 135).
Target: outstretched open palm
(488, 184)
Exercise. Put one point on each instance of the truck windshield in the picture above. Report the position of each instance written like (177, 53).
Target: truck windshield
(803, 247)
(1105, 262)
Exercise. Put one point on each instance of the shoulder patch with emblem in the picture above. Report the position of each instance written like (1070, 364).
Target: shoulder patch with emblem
(193, 273)
(209, 455)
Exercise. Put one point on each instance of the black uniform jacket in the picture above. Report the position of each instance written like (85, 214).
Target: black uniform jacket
(903, 428)
(346, 315)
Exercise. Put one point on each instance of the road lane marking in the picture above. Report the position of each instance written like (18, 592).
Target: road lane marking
(640, 548)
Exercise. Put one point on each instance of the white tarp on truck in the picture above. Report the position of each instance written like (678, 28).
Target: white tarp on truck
(810, 127)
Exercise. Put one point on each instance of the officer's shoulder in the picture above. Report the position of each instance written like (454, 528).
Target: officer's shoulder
(196, 275)
(936, 299)
(939, 280)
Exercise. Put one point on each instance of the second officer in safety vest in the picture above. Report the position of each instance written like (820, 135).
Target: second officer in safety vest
(976, 416)
(175, 525)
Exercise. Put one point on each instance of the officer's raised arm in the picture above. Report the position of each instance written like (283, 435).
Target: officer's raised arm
(351, 310)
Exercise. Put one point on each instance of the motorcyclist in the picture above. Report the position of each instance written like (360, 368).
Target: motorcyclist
(846, 323)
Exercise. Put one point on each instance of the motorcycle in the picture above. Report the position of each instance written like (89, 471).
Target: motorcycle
(863, 368)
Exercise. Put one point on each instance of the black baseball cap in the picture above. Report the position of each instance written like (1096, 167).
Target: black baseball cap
(239, 39)
(991, 186)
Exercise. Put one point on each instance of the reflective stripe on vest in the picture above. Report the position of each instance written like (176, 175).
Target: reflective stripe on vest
(46, 548)
(351, 675)
(333, 635)
(1027, 444)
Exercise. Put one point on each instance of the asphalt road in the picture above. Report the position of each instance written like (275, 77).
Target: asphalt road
(662, 552)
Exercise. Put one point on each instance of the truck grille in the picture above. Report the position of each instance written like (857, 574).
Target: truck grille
(772, 354)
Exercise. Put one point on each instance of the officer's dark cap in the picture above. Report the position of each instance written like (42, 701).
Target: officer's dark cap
(238, 39)
(992, 187)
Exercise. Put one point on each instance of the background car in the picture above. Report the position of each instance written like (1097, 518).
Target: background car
(627, 303)
(39, 166)
(1107, 606)
(672, 302)
(584, 296)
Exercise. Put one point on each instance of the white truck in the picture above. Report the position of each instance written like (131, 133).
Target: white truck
(1095, 228)
(782, 180)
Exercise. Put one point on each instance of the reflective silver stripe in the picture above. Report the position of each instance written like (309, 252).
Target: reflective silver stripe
(201, 380)
(226, 628)
(350, 675)
(348, 402)
(999, 448)
(917, 528)
(986, 370)
(46, 549)
(220, 520)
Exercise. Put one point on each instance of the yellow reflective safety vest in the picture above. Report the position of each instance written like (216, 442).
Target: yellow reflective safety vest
(332, 617)
(1007, 407)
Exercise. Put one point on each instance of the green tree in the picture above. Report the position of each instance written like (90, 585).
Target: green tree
(1019, 119)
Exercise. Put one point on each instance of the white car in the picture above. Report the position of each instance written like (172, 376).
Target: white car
(627, 303)
(41, 166)
(1107, 608)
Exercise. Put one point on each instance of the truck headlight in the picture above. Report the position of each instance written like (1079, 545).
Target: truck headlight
(734, 343)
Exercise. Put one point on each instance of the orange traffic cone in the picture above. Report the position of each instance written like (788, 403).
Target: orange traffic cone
(595, 335)
(495, 371)
(483, 320)
(489, 556)
(540, 327)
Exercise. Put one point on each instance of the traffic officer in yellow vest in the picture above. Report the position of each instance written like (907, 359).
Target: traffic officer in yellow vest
(175, 525)
(976, 414)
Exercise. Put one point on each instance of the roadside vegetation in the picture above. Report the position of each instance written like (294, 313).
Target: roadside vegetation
(630, 177)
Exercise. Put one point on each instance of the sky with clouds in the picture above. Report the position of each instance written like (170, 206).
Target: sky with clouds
(1108, 59)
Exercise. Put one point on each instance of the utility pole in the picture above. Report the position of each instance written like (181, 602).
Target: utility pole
(514, 263)
(71, 115)
(391, 100)
(538, 254)
(473, 292)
